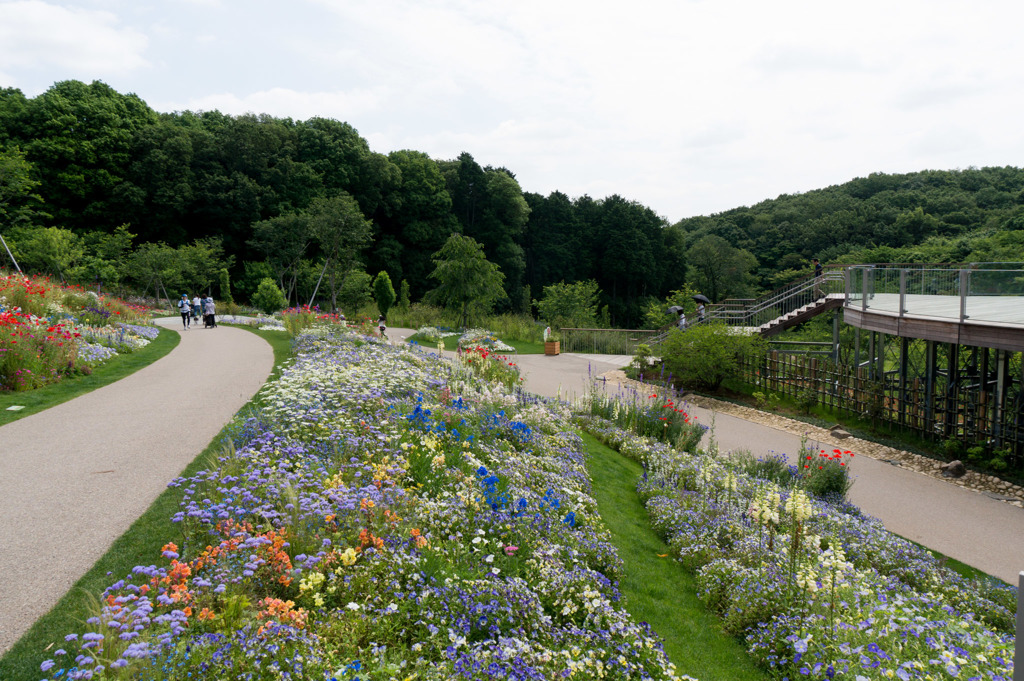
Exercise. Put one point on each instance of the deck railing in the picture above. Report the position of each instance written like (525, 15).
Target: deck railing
(976, 291)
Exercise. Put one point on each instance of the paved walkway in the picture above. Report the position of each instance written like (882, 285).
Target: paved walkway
(73, 478)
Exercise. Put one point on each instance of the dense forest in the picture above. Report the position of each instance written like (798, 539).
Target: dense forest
(95, 186)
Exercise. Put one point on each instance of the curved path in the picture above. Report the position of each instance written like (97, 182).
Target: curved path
(73, 478)
(966, 525)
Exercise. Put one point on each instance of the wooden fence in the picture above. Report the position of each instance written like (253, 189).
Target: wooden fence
(963, 410)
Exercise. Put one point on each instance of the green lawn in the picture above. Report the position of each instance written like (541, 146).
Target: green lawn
(656, 589)
(112, 370)
(139, 545)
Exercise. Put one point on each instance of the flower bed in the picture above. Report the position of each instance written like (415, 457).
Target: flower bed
(48, 332)
(818, 589)
(475, 338)
(387, 514)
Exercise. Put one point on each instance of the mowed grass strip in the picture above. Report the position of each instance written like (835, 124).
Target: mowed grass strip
(139, 545)
(656, 589)
(110, 371)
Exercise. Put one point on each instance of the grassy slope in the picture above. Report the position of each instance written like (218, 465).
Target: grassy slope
(139, 545)
(656, 589)
(113, 370)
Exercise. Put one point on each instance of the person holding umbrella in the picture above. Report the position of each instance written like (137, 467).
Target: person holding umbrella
(701, 299)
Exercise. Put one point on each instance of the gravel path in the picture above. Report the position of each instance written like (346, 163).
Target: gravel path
(73, 478)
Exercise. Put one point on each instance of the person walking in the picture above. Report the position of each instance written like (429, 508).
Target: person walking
(197, 308)
(817, 278)
(185, 308)
(210, 309)
(382, 326)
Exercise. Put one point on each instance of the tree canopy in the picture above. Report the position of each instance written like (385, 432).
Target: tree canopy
(290, 200)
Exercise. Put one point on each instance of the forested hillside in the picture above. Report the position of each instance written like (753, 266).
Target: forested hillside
(95, 186)
(973, 215)
(252, 188)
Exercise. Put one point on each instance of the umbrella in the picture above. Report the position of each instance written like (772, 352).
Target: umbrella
(701, 298)
(675, 309)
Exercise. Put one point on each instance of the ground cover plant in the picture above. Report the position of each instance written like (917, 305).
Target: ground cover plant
(385, 514)
(49, 332)
(816, 589)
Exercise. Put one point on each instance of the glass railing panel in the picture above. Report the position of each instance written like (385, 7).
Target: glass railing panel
(995, 296)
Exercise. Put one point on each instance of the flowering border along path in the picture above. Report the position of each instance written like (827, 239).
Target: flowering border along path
(817, 589)
(385, 515)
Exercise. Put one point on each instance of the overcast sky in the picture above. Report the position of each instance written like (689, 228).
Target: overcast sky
(689, 107)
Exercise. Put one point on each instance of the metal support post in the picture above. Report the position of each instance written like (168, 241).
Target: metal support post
(835, 339)
(930, 353)
(10, 254)
(880, 346)
(871, 356)
(1002, 388)
(951, 425)
(964, 289)
(903, 292)
(904, 352)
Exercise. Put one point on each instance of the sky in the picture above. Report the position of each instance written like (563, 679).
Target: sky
(690, 107)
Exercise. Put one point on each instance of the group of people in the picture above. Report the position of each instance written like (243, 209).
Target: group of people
(193, 309)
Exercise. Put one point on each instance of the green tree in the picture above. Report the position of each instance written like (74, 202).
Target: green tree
(16, 190)
(704, 356)
(383, 292)
(105, 261)
(467, 282)
(718, 270)
(656, 314)
(572, 305)
(201, 263)
(156, 266)
(268, 297)
(356, 291)
(50, 250)
(403, 298)
(80, 139)
(225, 286)
(342, 231)
(285, 241)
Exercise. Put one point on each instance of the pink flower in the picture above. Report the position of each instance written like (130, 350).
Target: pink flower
(509, 550)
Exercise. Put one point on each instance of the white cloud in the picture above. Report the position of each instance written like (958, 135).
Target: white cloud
(687, 106)
(285, 103)
(72, 43)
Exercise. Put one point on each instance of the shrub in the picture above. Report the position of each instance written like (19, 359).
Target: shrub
(268, 297)
(705, 355)
(807, 398)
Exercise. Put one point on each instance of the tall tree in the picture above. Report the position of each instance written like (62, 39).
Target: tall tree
(718, 270)
(17, 197)
(342, 232)
(80, 139)
(467, 281)
(285, 240)
(383, 292)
